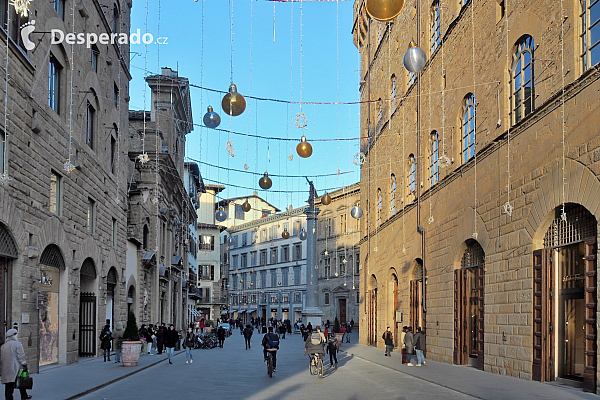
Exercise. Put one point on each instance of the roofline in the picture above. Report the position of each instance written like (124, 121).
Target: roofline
(230, 200)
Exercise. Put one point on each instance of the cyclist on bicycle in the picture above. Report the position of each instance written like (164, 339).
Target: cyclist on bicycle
(270, 343)
(315, 344)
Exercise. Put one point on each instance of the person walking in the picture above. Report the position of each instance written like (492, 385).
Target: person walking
(118, 334)
(388, 339)
(348, 332)
(170, 338)
(409, 345)
(248, 335)
(12, 359)
(160, 338)
(154, 337)
(150, 339)
(420, 346)
(332, 349)
(188, 345)
(105, 341)
(143, 332)
(221, 336)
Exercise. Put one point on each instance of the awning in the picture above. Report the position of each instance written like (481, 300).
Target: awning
(242, 311)
(148, 256)
(196, 313)
(224, 312)
(176, 260)
(232, 311)
(162, 270)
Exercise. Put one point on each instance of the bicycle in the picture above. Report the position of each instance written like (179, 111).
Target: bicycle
(315, 365)
(270, 362)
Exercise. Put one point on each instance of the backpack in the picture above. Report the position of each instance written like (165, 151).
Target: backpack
(273, 342)
(315, 338)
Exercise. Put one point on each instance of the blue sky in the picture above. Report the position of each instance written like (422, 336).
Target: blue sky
(274, 73)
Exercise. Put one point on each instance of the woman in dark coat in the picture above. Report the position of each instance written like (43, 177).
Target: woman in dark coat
(171, 336)
(106, 339)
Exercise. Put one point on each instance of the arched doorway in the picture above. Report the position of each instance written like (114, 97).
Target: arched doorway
(372, 312)
(564, 279)
(87, 309)
(416, 295)
(468, 306)
(8, 252)
(51, 265)
(111, 284)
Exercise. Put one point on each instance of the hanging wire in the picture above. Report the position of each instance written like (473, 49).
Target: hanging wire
(68, 167)
(563, 214)
(508, 208)
(475, 234)
(4, 176)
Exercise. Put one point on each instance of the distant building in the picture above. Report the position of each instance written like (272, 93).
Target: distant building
(208, 296)
(338, 252)
(195, 187)
(267, 273)
(236, 215)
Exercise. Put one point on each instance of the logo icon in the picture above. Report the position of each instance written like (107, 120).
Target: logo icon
(26, 30)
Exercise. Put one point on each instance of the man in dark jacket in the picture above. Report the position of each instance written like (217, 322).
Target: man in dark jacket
(389, 341)
(270, 343)
(248, 335)
(409, 345)
(160, 338)
(420, 346)
(221, 336)
(332, 349)
(106, 341)
(171, 336)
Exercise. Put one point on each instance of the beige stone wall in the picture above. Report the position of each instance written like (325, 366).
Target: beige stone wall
(470, 196)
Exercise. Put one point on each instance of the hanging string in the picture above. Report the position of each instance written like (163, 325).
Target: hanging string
(143, 158)
(431, 142)
(68, 166)
(475, 234)
(201, 75)
(156, 199)
(250, 75)
(508, 208)
(118, 133)
(563, 214)
(4, 177)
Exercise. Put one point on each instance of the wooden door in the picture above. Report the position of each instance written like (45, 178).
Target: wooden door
(372, 316)
(589, 374)
(5, 296)
(342, 303)
(460, 319)
(543, 316)
(480, 315)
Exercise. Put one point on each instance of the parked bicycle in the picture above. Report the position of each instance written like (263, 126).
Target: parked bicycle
(315, 365)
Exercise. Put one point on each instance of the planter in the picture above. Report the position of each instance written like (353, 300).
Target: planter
(208, 329)
(130, 353)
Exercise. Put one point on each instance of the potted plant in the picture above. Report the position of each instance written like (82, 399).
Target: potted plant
(209, 325)
(131, 345)
(338, 331)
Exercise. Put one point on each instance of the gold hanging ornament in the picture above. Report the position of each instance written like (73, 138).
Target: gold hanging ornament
(304, 149)
(384, 10)
(285, 234)
(265, 182)
(246, 206)
(326, 199)
(233, 103)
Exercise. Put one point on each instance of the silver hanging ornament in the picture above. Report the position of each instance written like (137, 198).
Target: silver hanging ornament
(221, 214)
(414, 59)
(302, 235)
(356, 212)
(211, 118)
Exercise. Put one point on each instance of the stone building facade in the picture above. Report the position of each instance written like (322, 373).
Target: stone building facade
(160, 208)
(63, 207)
(338, 253)
(480, 184)
(195, 187)
(267, 272)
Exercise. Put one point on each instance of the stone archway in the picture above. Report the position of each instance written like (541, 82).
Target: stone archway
(112, 278)
(8, 253)
(52, 266)
(372, 311)
(87, 308)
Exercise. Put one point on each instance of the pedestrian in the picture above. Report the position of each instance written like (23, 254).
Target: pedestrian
(282, 330)
(12, 359)
(188, 345)
(420, 346)
(348, 332)
(143, 332)
(326, 333)
(105, 341)
(389, 342)
(151, 339)
(409, 345)
(221, 336)
(170, 338)
(155, 338)
(248, 335)
(202, 325)
(309, 327)
(160, 338)
(118, 333)
(332, 349)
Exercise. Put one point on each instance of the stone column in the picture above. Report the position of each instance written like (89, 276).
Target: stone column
(312, 312)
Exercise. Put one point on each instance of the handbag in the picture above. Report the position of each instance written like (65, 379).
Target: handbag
(24, 381)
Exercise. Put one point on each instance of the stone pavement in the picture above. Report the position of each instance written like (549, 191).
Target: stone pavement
(469, 380)
(236, 373)
(72, 381)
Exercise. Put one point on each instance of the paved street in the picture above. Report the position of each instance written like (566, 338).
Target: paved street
(236, 373)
